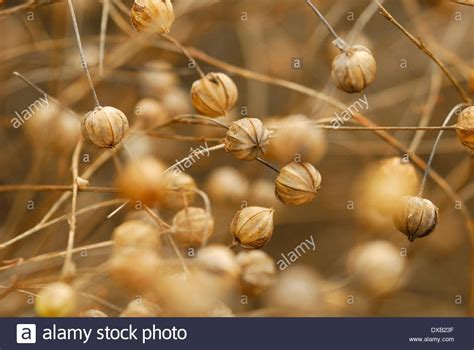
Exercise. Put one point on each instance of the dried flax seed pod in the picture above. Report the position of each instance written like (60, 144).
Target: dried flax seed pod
(104, 127)
(150, 112)
(136, 234)
(378, 266)
(133, 269)
(247, 139)
(258, 271)
(152, 15)
(415, 217)
(215, 95)
(56, 299)
(252, 227)
(192, 226)
(465, 127)
(226, 184)
(220, 260)
(142, 180)
(297, 183)
(354, 69)
(179, 190)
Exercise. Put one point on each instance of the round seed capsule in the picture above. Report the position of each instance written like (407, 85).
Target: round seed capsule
(192, 226)
(142, 180)
(465, 127)
(354, 69)
(258, 271)
(104, 127)
(252, 227)
(297, 183)
(247, 139)
(378, 266)
(415, 217)
(179, 190)
(220, 260)
(214, 95)
(57, 299)
(136, 234)
(152, 15)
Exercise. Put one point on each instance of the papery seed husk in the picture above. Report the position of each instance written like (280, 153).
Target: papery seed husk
(297, 183)
(192, 226)
(156, 15)
(104, 127)
(214, 95)
(247, 139)
(252, 227)
(415, 217)
(465, 127)
(353, 70)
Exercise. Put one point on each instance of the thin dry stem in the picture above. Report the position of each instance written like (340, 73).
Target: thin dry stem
(421, 45)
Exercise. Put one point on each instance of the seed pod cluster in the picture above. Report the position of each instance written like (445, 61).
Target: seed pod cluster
(297, 183)
(104, 127)
(214, 95)
(465, 127)
(354, 69)
(378, 266)
(136, 234)
(247, 139)
(252, 227)
(192, 226)
(152, 15)
(258, 271)
(56, 299)
(415, 217)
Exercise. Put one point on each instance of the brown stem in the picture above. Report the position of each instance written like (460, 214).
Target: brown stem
(421, 45)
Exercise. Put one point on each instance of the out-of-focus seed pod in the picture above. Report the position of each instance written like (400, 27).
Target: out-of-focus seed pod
(134, 269)
(199, 293)
(296, 292)
(158, 78)
(263, 191)
(152, 15)
(93, 313)
(142, 180)
(227, 184)
(258, 271)
(215, 95)
(354, 69)
(140, 308)
(179, 190)
(465, 127)
(136, 234)
(150, 113)
(252, 227)
(379, 188)
(415, 217)
(176, 101)
(56, 299)
(52, 129)
(192, 226)
(104, 127)
(247, 139)
(297, 183)
(292, 137)
(220, 260)
(378, 266)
